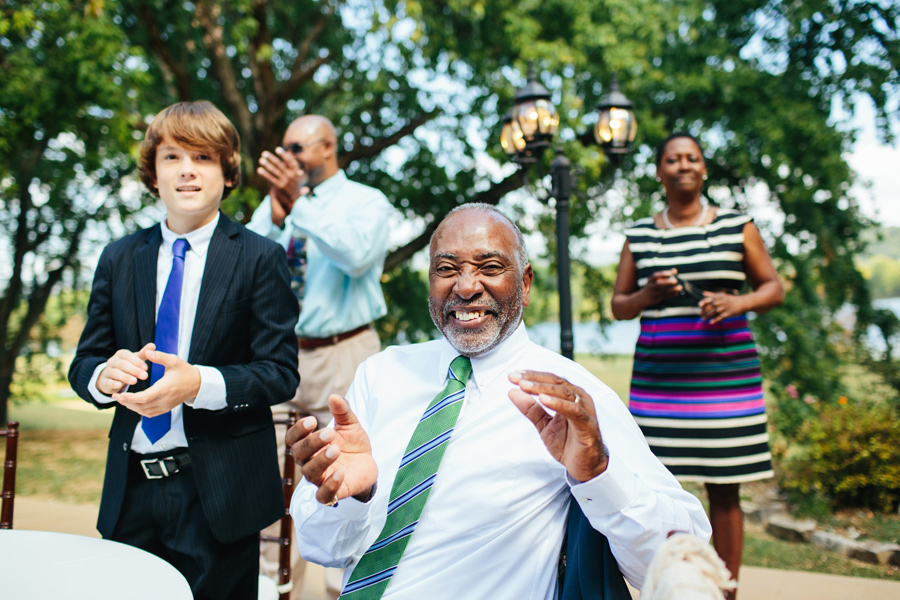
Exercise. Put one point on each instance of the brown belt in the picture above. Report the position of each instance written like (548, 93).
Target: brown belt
(313, 343)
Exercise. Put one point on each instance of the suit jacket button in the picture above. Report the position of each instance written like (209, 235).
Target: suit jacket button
(125, 447)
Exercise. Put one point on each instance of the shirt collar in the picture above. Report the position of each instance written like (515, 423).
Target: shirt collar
(330, 186)
(198, 239)
(487, 366)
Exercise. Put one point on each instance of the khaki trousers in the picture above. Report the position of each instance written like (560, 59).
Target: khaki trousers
(323, 371)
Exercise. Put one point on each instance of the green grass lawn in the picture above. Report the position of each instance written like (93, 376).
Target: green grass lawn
(762, 550)
(62, 446)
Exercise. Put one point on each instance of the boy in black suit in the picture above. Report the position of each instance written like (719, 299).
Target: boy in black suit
(190, 335)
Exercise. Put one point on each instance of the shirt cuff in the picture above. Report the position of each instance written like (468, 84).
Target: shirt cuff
(212, 394)
(352, 509)
(607, 493)
(96, 394)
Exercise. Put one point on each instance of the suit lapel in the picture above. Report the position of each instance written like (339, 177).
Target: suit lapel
(144, 276)
(221, 264)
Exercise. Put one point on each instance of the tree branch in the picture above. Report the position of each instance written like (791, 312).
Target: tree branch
(362, 152)
(492, 195)
(299, 76)
(173, 70)
(263, 77)
(206, 16)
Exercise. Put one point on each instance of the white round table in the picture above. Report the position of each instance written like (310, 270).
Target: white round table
(35, 565)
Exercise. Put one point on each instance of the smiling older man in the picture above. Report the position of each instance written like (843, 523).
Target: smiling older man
(450, 466)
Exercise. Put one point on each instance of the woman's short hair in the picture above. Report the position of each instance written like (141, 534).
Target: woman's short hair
(661, 149)
(198, 126)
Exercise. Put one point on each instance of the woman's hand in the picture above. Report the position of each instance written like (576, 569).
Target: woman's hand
(660, 286)
(717, 306)
(628, 300)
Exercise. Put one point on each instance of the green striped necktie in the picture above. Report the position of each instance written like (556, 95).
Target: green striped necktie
(371, 576)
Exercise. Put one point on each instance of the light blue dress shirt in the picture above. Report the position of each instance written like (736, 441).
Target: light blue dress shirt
(347, 226)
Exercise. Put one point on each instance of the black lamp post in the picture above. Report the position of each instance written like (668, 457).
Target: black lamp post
(528, 129)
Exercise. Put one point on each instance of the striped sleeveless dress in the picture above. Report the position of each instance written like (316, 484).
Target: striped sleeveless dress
(696, 388)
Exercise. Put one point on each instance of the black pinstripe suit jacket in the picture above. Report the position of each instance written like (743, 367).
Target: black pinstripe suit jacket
(245, 327)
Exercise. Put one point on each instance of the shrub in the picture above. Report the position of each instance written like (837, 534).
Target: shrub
(850, 454)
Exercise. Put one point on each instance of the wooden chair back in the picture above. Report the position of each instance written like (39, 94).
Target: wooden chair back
(287, 524)
(11, 433)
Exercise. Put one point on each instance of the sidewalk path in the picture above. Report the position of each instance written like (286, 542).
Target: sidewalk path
(756, 583)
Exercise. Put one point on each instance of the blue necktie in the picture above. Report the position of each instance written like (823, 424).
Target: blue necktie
(166, 338)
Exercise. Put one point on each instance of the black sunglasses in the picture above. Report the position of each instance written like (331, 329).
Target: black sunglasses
(296, 148)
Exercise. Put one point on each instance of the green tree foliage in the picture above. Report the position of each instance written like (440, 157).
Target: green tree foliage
(883, 275)
(418, 88)
(756, 80)
(356, 62)
(66, 116)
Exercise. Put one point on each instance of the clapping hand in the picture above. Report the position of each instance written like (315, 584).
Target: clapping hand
(287, 181)
(123, 369)
(180, 383)
(338, 460)
(572, 434)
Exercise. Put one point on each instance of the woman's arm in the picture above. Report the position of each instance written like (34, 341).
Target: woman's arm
(628, 301)
(767, 291)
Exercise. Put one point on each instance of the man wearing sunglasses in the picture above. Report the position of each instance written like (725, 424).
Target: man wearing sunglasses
(335, 233)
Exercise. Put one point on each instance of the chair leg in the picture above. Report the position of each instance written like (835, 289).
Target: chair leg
(9, 474)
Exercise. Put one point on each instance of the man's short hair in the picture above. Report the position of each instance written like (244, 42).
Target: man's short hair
(198, 126)
(521, 254)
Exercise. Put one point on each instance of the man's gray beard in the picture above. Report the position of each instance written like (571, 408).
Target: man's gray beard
(478, 341)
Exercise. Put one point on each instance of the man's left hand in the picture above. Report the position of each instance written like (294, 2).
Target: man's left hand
(180, 383)
(572, 434)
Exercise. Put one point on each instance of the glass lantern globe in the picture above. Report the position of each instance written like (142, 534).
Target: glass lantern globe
(534, 114)
(616, 126)
(511, 139)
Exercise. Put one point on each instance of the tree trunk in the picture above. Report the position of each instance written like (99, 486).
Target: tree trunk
(7, 366)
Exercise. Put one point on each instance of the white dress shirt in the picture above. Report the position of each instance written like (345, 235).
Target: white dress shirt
(493, 524)
(212, 393)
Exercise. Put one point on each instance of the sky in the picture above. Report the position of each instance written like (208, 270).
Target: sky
(878, 164)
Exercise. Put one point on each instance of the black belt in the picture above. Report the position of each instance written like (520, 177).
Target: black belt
(152, 466)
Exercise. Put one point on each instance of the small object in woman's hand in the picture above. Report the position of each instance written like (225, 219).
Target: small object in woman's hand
(688, 288)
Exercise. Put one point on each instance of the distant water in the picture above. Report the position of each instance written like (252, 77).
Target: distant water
(618, 337)
(874, 337)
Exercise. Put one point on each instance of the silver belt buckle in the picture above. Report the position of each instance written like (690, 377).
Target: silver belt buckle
(145, 465)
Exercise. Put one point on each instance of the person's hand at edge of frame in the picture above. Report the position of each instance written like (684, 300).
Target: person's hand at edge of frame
(338, 460)
(572, 434)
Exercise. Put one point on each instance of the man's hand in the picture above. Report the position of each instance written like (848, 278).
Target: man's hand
(336, 460)
(287, 182)
(124, 368)
(180, 383)
(571, 435)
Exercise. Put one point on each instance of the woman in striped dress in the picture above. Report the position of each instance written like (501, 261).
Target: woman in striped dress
(696, 389)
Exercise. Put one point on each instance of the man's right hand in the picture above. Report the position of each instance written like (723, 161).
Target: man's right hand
(287, 182)
(124, 368)
(337, 460)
